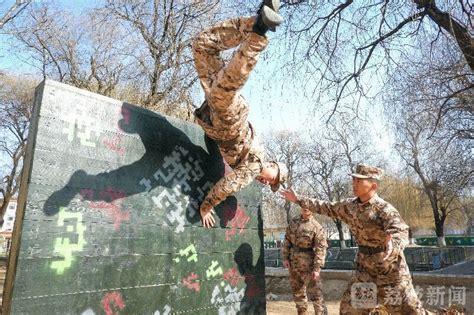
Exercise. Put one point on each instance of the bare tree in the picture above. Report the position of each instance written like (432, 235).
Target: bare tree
(78, 50)
(431, 107)
(324, 164)
(468, 209)
(443, 167)
(444, 86)
(133, 49)
(287, 147)
(16, 101)
(331, 156)
(162, 31)
(457, 23)
(345, 45)
(13, 11)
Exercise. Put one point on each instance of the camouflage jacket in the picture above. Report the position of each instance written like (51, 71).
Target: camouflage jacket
(370, 222)
(307, 234)
(239, 147)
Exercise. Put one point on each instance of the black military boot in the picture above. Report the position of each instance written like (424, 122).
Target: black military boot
(204, 113)
(268, 17)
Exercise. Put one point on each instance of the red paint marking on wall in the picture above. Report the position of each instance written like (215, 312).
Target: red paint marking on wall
(112, 205)
(239, 221)
(233, 276)
(110, 300)
(113, 210)
(191, 283)
(115, 144)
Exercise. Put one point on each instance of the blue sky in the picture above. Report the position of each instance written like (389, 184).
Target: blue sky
(272, 108)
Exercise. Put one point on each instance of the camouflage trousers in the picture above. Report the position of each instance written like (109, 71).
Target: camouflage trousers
(398, 296)
(304, 287)
(221, 83)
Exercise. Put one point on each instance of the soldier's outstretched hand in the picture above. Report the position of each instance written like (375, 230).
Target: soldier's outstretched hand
(289, 194)
(207, 217)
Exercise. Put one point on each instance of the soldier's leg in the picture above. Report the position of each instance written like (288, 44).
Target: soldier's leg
(208, 45)
(411, 302)
(346, 307)
(315, 295)
(298, 288)
(400, 298)
(232, 78)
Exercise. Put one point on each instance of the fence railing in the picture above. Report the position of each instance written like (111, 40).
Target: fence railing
(418, 258)
(461, 240)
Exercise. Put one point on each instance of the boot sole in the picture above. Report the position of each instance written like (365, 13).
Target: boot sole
(273, 4)
(270, 18)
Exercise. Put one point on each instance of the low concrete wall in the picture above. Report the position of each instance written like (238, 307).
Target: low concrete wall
(430, 286)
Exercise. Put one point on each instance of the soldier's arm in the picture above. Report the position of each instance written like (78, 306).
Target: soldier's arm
(320, 246)
(396, 228)
(330, 209)
(232, 182)
(285, 248)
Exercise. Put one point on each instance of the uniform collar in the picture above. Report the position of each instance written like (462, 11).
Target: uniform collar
(371, 201)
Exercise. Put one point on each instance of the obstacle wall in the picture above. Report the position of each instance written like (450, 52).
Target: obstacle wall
(108, 218)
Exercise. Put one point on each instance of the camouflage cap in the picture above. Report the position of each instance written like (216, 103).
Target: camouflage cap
(282, 176)
(368, 172)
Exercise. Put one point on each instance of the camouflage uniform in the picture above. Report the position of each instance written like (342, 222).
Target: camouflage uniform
(305, 249)
(223, 115)
(370, 223)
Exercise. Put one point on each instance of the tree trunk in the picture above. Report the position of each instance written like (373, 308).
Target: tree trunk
(439, 220)
(287, 208)
(341, 233)
(470, 226)
(411, 239)
(439, 224)
(4, 207)
(445, 21)
(13, 179)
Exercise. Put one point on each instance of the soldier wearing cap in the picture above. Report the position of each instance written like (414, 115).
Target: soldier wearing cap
(223, 115)
(381, 235)
(304, 252)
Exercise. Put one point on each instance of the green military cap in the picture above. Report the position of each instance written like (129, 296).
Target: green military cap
(282, 176)
(368, 172)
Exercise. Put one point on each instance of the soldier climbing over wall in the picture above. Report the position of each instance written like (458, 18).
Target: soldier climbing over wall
(304, 253)
(223, 115)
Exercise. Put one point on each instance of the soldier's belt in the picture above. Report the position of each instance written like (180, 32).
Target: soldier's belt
(367, 250)
(302, 249)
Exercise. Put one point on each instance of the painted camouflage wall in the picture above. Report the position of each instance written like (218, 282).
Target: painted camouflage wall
(111, 219)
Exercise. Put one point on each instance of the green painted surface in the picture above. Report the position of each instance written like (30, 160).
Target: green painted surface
(112, 224)
(450, 241)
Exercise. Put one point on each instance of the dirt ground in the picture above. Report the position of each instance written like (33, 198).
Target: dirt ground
(288, 308)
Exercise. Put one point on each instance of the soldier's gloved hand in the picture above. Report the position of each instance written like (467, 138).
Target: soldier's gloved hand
(207, 216)
(286, 264)
(388, 247)
(315, 275)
